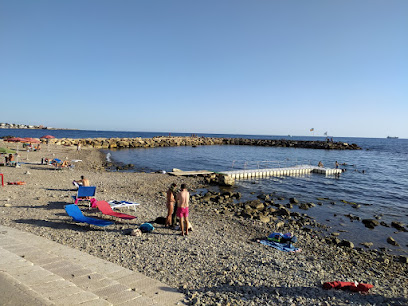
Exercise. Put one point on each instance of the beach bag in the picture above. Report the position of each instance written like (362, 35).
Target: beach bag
(146, 228)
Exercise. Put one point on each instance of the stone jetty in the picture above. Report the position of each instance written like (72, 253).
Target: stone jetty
(170, 141)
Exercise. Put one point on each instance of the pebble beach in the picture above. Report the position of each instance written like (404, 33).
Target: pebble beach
(221, 262)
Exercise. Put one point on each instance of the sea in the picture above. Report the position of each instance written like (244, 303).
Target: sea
(375, 179)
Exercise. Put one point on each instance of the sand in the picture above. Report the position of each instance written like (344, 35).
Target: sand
(220, 262)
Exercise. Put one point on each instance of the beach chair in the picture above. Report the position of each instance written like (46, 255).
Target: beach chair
(105, 208)
(123, 204)
(84, 193)
(76, 214)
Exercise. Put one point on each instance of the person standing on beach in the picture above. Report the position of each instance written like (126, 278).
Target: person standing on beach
(170, 203)
(183, 198)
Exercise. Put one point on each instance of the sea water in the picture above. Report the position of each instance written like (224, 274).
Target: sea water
(376, 177)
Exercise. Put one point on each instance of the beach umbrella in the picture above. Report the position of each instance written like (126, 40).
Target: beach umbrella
(31, 140)
(7, 151)
(47, 136)
(15, 139)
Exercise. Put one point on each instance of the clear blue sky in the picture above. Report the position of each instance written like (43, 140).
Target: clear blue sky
(244, 67)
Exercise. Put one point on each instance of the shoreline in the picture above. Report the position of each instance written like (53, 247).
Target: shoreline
(219, 262)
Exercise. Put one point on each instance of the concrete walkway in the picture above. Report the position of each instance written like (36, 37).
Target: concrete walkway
(38, 271)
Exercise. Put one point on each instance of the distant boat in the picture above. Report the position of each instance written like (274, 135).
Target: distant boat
(392, 137)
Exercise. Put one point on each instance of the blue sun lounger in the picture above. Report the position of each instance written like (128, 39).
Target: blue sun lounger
(77, 216)
(84, 193)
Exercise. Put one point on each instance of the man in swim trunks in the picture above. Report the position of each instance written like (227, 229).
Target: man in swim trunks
(183, 198)
(82, 182)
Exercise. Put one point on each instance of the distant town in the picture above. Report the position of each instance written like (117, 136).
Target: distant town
(26, 126)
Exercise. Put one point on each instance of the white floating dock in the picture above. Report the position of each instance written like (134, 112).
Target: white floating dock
(288, 171)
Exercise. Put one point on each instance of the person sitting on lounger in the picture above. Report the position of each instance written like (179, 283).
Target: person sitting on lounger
(82, 182)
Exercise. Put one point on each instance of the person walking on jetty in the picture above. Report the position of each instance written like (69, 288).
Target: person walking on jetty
(183, 198)
(170, 203)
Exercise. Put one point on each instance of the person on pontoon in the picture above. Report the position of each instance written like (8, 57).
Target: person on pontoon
(320, 164)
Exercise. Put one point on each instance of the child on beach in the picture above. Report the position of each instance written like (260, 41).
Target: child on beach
(183, 198)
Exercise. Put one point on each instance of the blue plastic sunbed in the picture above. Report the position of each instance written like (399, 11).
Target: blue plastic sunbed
(77, 216)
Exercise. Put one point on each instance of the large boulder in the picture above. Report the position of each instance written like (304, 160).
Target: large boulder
(226, 180)
(370, 223)
(399, 226)
(347, 244)
(282, 212)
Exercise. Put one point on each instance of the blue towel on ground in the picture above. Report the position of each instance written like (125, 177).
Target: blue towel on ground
(280, 246)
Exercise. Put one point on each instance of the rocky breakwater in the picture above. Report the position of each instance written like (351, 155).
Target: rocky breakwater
(161, 141)
(313, 144)
(121, 143)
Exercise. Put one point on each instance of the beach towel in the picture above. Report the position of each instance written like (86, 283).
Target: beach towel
(352, 286)
(285, 247)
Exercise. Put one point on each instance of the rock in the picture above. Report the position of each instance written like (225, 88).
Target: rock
(370, 223)
(259, 206)
(279, 224)
(383, 260)
(367, 244)
(403, 259)
(282, 212)
(264, 218)
(332, 240)
(392, 241)
(399, 226)
(293, 201)
(304, 206)
(263, 197)
(226, 180)
(346, 243)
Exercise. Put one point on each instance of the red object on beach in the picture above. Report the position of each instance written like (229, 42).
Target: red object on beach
(2, 179)
(31, 140)
(15, 139)
(105, 208)
(47, 136)
(355, 287)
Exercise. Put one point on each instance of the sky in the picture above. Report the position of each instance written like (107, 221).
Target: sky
(236, 67)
